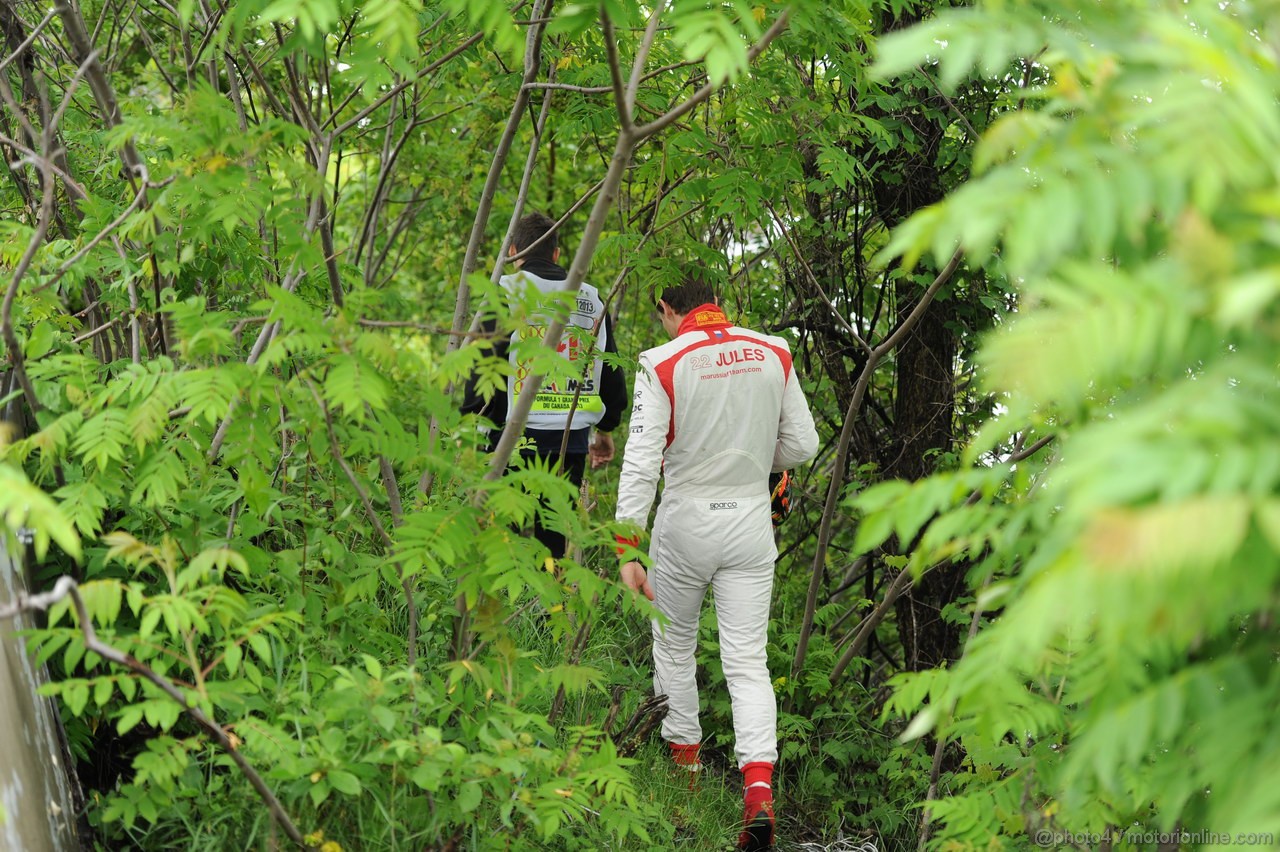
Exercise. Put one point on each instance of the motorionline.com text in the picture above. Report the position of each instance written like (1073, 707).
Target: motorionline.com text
(1052, 839)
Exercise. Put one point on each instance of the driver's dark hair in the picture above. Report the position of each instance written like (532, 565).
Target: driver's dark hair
(529, 230)
(693, 290)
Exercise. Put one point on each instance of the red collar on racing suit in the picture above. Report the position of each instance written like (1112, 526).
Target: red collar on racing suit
(703, 318)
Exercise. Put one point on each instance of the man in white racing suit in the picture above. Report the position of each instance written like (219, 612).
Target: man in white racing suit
(715, 411)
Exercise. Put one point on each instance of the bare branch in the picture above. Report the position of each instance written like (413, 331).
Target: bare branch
(43, 221)
(74, 27)
(868, 626)
(330, 256)
(291, 280)
(533, 56)
(35, 32)
(360, 490)
(921, 306)
(522, 194)
(564, 217)
(83, 52)
(392, 488)
(813, 280)
(156, 56)
(973, 134)
(604, 90)
(836, 486)
(135, 330)
(1030, 451)
(89, 335)
(138, 201)
(570, 87)
(272, 98)
(25, 602)
(397, 89)
(642, 56)
(373, 212)
(32, 156)
(615, 71)
(418, 326)
(462, 302)
(674, 115)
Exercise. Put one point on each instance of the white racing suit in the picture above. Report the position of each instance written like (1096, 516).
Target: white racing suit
(716, 410)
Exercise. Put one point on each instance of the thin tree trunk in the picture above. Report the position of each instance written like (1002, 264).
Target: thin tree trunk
(462, 303)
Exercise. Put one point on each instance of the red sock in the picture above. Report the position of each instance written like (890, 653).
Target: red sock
(686, 757)
(757, 797)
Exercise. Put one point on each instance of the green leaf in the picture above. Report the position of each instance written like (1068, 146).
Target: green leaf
(428, 776)
(129, 718)
(208, 393)
(261, 647)
(207, 561)
(319, 791)
(150, 619)
(352, 383)
(25, 507)
(706, 34)
(75, 695)
(41, 340)
(160, 478)
(469, 796)
(103, 600)
(84, 504)
(344, 782)
(102, 439)
(383, 717)
(103, 689)
(232, 657)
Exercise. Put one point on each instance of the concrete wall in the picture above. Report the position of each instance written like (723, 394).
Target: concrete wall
(35, 798)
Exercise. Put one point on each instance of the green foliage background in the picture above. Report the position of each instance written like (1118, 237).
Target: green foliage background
(231, 390)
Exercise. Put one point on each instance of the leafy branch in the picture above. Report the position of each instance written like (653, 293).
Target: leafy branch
(66, 587)
(371, 513)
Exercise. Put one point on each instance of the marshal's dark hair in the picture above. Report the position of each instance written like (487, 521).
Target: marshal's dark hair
(529, 230)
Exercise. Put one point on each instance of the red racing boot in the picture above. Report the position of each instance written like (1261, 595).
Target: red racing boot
(686, 757)
(757, 796)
